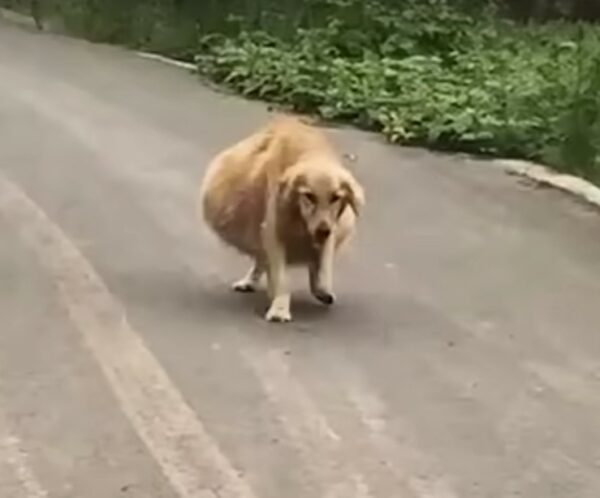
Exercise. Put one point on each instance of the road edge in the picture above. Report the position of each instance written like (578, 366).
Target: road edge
(538, 173)
(17, 18)
(543, 175)
(188, 66)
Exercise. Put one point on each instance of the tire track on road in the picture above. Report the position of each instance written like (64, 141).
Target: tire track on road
(308, 429)
(14, 456)
(405, 458)
(187, 454)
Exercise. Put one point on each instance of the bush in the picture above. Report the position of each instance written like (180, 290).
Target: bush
(435, 77)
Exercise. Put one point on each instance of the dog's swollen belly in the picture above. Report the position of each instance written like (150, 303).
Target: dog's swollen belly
(300, 250)
(239, 230)
(236, 219)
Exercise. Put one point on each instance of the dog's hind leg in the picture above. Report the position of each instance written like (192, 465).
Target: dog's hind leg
(320, 273)
(250, 281)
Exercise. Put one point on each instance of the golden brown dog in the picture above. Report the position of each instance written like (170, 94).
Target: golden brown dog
(283, 197)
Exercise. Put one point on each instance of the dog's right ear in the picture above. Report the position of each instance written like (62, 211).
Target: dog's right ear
(289, 187)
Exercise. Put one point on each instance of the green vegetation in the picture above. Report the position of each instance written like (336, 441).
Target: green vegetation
(450, 75)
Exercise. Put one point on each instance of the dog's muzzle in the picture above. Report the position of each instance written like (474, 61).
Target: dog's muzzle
(322, 233)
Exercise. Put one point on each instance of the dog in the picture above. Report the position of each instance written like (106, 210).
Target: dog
(283, 197)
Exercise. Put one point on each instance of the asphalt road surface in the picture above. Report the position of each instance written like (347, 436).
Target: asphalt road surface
(462, 361)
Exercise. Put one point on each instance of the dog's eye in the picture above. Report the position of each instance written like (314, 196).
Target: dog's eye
(335, 198)
(310, 197)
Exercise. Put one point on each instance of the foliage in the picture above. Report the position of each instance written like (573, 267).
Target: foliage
(449, 74)
(433, 76)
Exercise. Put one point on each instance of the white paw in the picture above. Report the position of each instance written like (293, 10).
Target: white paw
(279, 313)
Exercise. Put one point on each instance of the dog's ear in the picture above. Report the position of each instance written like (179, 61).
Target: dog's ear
(289, 186)
(354, 194)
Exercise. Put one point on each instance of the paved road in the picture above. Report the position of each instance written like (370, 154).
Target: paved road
(461, 362)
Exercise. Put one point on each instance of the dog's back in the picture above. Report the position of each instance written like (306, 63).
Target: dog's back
(295, 140)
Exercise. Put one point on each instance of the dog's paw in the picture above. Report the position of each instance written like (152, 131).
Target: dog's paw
(325, 297)
(244, 287)
(278, 314)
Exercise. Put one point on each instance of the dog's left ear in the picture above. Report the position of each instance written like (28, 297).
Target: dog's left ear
(354, 194)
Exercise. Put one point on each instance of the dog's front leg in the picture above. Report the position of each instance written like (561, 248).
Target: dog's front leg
(276, 263)
(321, 273)
(279, 310)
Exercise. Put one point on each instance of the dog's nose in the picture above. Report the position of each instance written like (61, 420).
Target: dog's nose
(322, 233)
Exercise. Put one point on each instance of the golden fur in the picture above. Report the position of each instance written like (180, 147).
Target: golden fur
(282, 197)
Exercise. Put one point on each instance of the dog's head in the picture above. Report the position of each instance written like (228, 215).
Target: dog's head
(320, 196)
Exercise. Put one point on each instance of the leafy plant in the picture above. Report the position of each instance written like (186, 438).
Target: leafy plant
(491, 87)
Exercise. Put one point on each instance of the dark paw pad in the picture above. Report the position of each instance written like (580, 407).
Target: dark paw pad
(325, 297)
(244, 287)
